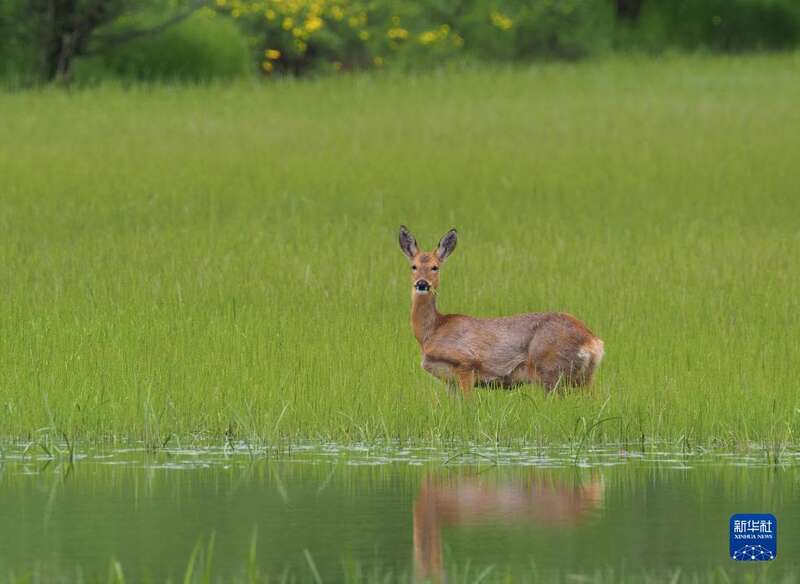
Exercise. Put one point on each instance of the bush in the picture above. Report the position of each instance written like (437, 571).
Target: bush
(720, 25)
(299, 35)
(204, 47)
(17, 59)
(545, 29)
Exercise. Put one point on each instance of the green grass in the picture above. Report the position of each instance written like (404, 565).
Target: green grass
(200, 569)
(178, 263)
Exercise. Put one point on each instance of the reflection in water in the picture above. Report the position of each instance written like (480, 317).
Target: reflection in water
(147, 512)
(535, 500)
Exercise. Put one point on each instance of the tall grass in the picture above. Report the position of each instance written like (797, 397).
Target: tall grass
(194, 263)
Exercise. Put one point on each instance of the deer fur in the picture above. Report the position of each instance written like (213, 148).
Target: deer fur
(548, 348)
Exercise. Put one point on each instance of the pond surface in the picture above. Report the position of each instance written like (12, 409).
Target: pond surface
(326, 513)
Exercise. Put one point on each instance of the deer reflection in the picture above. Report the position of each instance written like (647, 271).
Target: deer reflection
(535, 499)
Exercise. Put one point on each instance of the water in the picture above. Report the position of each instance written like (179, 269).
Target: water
(531, 514)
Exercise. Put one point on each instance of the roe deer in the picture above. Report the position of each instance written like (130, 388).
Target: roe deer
(550, 348)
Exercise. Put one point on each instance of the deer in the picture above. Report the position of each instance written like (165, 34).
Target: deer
(552, 349)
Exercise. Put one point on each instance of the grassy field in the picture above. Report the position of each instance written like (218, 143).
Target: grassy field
(188, 263)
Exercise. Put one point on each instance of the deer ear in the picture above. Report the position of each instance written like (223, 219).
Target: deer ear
(407, 242)
(447, 244)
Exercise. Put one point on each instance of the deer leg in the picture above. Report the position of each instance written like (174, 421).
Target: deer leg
(466, 381)
(452, 388)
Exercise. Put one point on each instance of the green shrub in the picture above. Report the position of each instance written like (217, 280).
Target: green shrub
(203, 47)
(298, 35)
(720, 25)
(17, 58)
(540, 29)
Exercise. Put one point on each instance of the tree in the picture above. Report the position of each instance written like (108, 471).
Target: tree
(628, 9)
(62, 30)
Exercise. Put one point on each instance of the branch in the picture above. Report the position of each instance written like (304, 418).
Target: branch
(114, 40)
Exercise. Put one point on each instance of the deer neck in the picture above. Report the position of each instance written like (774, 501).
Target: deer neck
(424, 316)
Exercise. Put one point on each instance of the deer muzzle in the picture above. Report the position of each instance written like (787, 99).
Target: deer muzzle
(422, 286)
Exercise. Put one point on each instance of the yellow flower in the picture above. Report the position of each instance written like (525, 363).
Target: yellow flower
(270, 14)
(272, 54)
(428, 37)
(314, 23)
(431, 36)
(267, 66)
(236, 13)
(397, 33)
(337, 13)
(363, 35)
(501, 21)
(357, 20)
(288, 23)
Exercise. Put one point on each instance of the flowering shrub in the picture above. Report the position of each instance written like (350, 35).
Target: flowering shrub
(298, 35)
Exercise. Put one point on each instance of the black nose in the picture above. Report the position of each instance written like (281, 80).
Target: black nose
(422, 285)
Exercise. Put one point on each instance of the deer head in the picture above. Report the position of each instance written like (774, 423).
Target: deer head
(425, 265)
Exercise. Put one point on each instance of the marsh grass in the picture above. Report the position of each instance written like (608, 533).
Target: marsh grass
(209, 263)
(200, 570)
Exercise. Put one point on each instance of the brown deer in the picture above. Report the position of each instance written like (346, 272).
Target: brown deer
(550, 348)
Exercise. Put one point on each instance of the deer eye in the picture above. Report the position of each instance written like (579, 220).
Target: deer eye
(414, 268)
(435, 268)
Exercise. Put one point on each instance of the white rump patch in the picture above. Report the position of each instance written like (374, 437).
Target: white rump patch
(592, 349)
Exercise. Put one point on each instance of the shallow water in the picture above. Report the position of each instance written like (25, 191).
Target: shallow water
(535, 514)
